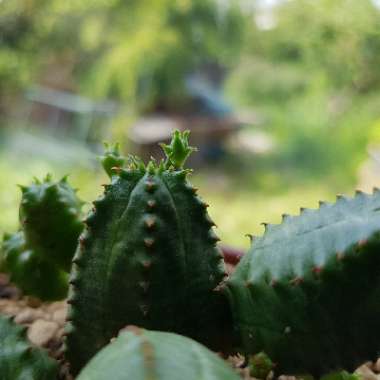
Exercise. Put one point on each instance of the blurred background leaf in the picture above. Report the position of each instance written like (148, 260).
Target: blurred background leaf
(302, 75)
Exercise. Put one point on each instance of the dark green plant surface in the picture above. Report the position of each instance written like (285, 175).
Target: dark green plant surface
(50, 216)
(307, 293)
(18, 359)
(148, 257)
(33, 274)
(140, 355)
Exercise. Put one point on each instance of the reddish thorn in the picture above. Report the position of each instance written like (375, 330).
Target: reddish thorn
(317, 270)
(150, 186)
(82, 241)
(146, 264)
(148, 242)
(151, 203)
(150, 222)
(362, 243)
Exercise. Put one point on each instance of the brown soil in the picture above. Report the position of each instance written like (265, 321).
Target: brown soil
(45, 328)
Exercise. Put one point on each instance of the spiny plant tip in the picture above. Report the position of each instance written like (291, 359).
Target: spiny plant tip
(179, 149)
(112, 148)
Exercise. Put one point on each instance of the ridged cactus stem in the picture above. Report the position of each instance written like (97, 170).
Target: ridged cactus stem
(307, 293)
(50, 215)
(148, 257)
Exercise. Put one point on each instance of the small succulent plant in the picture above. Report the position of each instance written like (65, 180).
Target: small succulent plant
(18, 359)
(306, 293)
(50, 214)
(32, 274)
(38, 257)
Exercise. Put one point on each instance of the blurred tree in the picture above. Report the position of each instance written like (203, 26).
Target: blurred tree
(136, 50)
(339, 37)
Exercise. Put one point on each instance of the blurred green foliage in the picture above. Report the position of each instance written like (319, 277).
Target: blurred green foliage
(137, 50)
(311, 74)
(314, 77)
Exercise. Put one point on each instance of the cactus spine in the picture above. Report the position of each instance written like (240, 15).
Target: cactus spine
(18, 359)
(148, 257)
(307, 293)
(139, 354)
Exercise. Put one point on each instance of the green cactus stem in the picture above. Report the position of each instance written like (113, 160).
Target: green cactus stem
(307, 293)
(18, 359)
(112, 158)
(30, 272)
(148, 257)
(139, 355)
(50, 216)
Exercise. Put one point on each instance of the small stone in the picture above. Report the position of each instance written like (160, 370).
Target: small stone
(4, 303)
(59, 316)
(11, 309)
(56, 306)
(365, 373)
(377, 365)
(284, 377)
(41, 332)
(27, 315)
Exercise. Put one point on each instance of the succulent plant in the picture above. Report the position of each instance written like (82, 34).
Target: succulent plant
(50, 216)
(140, 354)
(39, 256)
(148, 257)
(18, 359)
(33, 275)
(307, 292)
